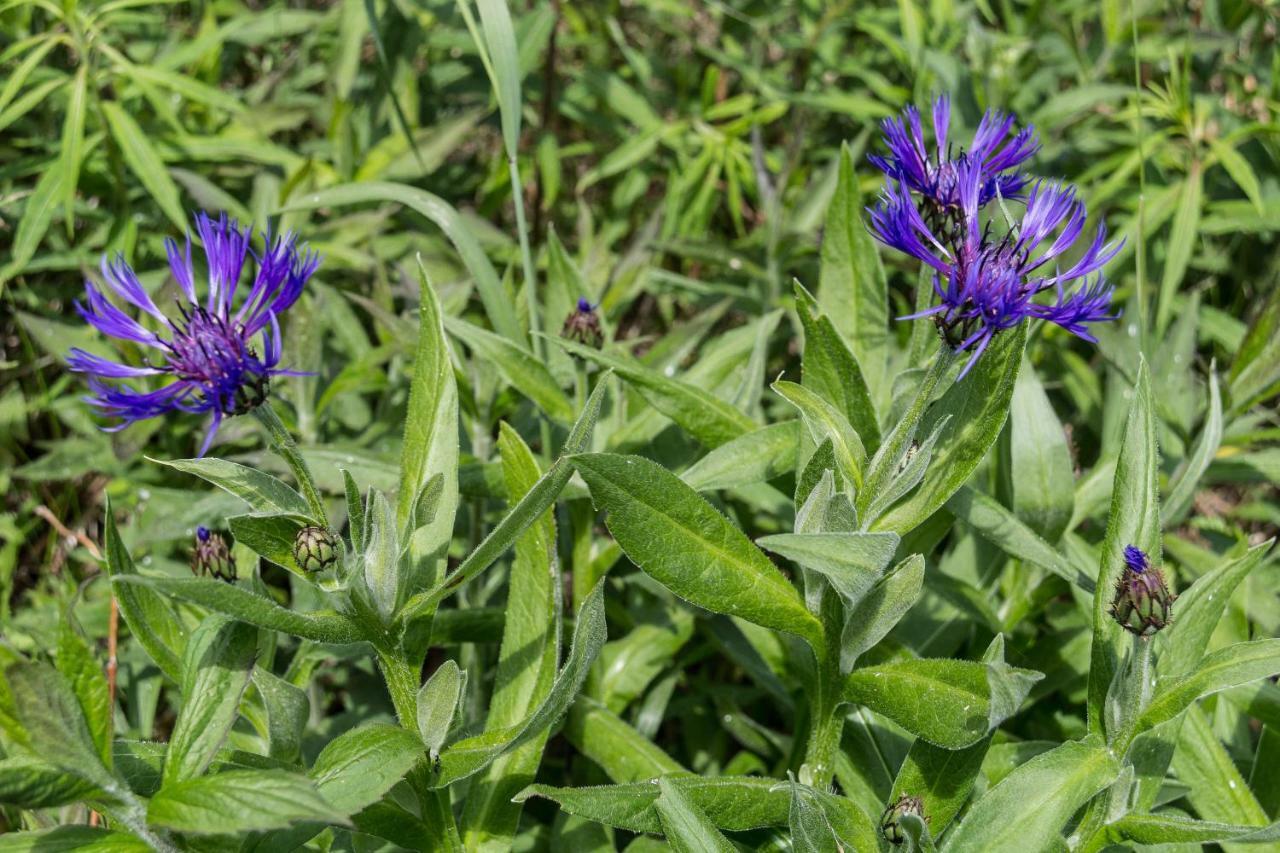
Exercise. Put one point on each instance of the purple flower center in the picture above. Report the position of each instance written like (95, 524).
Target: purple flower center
(213, 352)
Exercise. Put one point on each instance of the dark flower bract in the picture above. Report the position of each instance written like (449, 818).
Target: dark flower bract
(208, 349)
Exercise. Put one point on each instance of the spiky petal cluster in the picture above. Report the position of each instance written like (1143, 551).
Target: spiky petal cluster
(989, 278)
(206, 347)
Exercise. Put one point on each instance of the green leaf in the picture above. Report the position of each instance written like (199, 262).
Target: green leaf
(499, 308)
(755, 457)
(287, 709)
(82, 839)
(1217, 790)
(50, 715)
(438, 704)
(473, 754)
(1230, 667)
(687, 828)
(148, 614)
(261, 491)
(504, 67)
(269, 536)
(36, 217)
(237, 801)
(1182, 486)
(623, 753)
(851, 284)
(880, 609)
(84, 674)
(381, 563)
(145, 162)
(526, 659)
(517, 365)
(216, 668)
(1040, 478)
(824, 423)
(1179, 829)
(811, 830)
(832, 372)
(1134, 519)
(681, 541)
(30, 783)
(1181, 244)
(321, 626)
(73, 144)
(703, 415)
(978, 406)
(357, 767)
(851, 562)
(1239, 170)
(1029, 807)
(941, 778)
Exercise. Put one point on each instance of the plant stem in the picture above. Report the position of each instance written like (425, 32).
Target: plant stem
(402, 683)
(287, 449)
(826, 722)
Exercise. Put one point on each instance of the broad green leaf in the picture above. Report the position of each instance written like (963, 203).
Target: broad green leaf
(1217, 791)
(826, 824)
(623, 753)
(1029, 807)
(1181, 244)
(851, 562)
(1226, 668)
(382, 567)
(498, 307)
(630, 664)
(357, 767)
(287, 709)
(941, 778)
(144, 162)
(239, 603)
(949, 703)
(430, 445)
(1182, 487)
(1003, 529)
(216, 667)
(50, 715)
(1239, 169)
(978, 406)
(518, 366)
(687, 828)
(526, 659)
(909, 473)
(84, 674)
(1134, 519)
(755, 457)
(470, 755)
(880, 609)
(269, 536)
(30, 783)
(149, 615)
(82, 839)
(681, 541)
(261, 491)
(824, 423)
(851, 284)
(832, 372)
(438, 704)
(529, 508)
(1255, 370)
(700, 413)
(1040, 480)
(239, 801)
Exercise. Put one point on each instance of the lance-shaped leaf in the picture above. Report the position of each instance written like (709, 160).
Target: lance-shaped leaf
(833, 372)
(269, 536)
(1182, 486)
(519, 367)
(82, 839)
(941, 778)
(287, 709)
(238, 801)
(261, 491)
(438, 704)
(1172, 828)
(30, 783)
(84, 674)
(824, 422)
(321, 626)
(977, 406)
(700, 413)
(851, 562)
(681, 541)
(880, 609)
(1134, 520)
(216, 665)
(1221, 670)
(1040, 481)
(470, 755)
(53, 723)
(623, 753)
(756, 457)
(687, 828)
(1029, 807)
(357, 767)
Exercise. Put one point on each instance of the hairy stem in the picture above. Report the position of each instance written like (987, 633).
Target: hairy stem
(287, 449)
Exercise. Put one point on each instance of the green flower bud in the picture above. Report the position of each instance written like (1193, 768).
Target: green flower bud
(212, 557)
(314, 549)
(583, 325)
(890, 827)
(1142, 601)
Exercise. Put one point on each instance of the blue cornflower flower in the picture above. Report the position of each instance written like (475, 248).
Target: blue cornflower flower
(208, 348)
(986, 282)
(936, 178)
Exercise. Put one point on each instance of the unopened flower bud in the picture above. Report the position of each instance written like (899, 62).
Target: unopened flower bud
(890, 821)
(212, 557)
(1142, 600)
(314, 549)
(583, 325)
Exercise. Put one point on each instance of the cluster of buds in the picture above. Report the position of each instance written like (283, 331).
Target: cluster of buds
(314, 549)
(583, 325)
(891, 820)
(212, 557)
(1142, 599)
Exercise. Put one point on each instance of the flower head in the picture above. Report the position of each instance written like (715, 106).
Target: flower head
(211, 556)
(1142, 600)
(208, 349)
(583, 324)
(991, 275)
(936, 177)
(314, 549)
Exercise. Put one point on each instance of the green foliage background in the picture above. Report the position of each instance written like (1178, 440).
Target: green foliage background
(678, 161)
